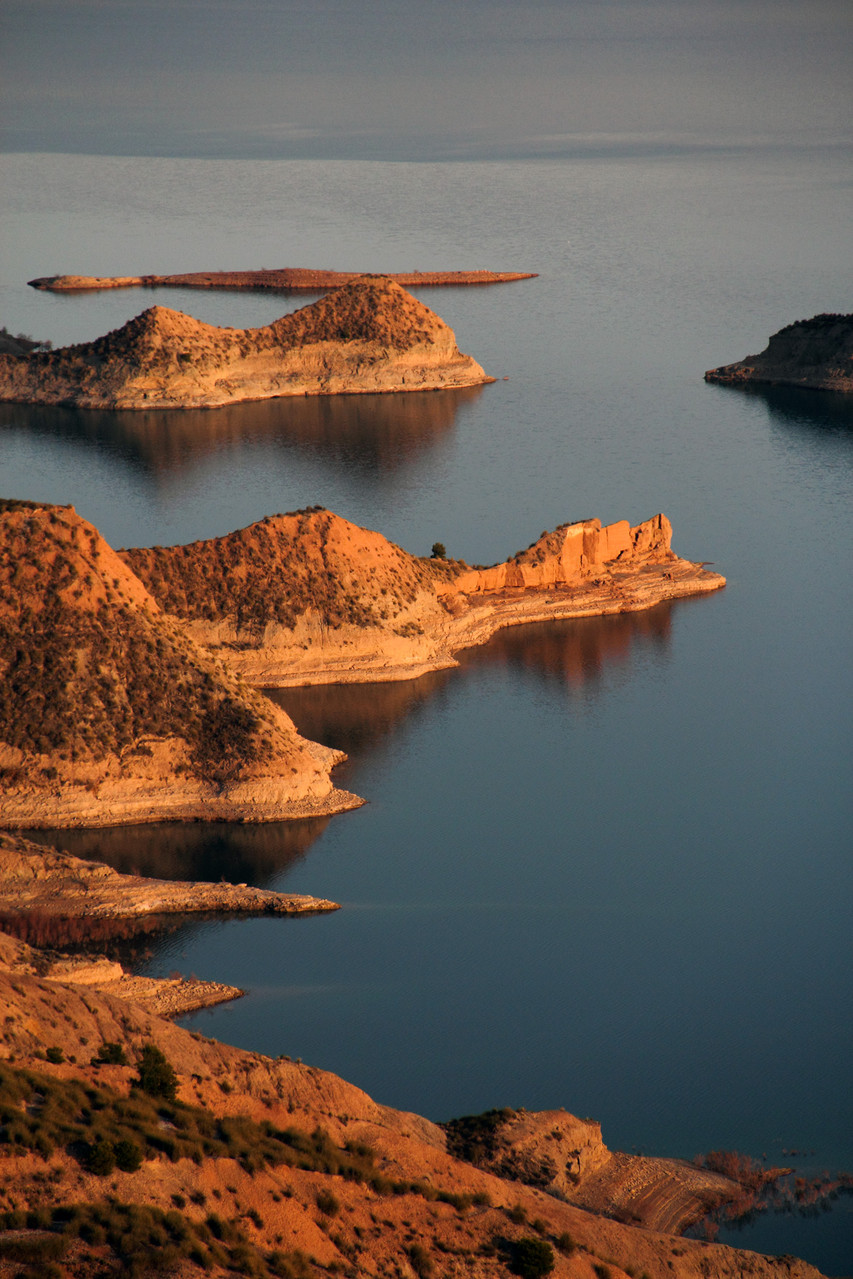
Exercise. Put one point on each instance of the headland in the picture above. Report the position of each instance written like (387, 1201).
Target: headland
(130, 689)
(815, 354)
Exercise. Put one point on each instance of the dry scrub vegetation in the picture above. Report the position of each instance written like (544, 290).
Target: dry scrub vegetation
(87, 670)
(282, 568)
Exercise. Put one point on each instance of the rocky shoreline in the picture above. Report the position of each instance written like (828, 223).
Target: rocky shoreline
(48, 883)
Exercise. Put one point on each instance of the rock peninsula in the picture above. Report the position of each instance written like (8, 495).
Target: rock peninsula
(280, 279)
(367, 336)
(125, 693)
(110, 713)
(815, 354)
(309, 598)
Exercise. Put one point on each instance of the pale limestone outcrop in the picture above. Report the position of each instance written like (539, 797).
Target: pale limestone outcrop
(815, 354)
(367, 336)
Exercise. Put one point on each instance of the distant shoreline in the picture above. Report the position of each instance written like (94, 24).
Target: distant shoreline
(284, 279)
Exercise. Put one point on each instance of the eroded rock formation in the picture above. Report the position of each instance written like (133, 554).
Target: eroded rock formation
(309, 598)
(815, 354)
(367, 336)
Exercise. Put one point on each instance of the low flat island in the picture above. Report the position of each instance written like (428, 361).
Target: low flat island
(282, 279)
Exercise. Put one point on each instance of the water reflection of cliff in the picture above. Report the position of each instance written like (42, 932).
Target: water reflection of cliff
(208, 851)
(357, 717)
(378, 433)
(360, 719)
(578, 652)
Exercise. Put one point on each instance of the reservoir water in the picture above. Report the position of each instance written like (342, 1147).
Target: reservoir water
(604, 864)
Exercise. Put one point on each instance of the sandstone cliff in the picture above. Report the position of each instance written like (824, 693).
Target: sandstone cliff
(271, 1168)
(109, 713)
(815, 354)
(367, 336)
(308, 598)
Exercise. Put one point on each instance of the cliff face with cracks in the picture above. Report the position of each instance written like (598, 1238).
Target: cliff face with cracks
(309, 598)
(367, 336)
(815, 354)
(110, 713)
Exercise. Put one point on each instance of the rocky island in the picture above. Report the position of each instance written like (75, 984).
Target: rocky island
(369, 335)
(279, 279)
(126, 692)
(815, 354)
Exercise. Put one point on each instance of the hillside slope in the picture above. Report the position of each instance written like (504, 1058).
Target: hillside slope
(110, 713)
(367, 336)
(271, 1168)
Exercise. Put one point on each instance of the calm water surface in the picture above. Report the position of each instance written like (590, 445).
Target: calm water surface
(605, 864)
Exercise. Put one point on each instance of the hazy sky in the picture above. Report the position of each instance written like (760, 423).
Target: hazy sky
(419, 78)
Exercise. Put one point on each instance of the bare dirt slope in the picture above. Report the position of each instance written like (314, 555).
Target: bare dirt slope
(267, 1168)
(109, 713)
(369, 335)
(310, 598)
(815, 354)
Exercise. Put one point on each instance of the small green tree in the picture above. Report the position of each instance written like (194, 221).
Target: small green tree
(439, 551)
(156, 1073)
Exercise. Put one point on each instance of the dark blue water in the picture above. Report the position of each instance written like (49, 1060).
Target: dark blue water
(605, 864)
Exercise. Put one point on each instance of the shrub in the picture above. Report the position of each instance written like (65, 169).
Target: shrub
(531, 1258)
(128, 1155)
(110, 1055)
(327, 1203)
(55, 1054)
(156, 1074)
(421, 1261)
(439, 551)
(101, 1158)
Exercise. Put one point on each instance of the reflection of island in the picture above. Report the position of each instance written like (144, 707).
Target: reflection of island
(210, 851)
(370, 433)
(800, 409)
(358, 716)
(576, 653)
